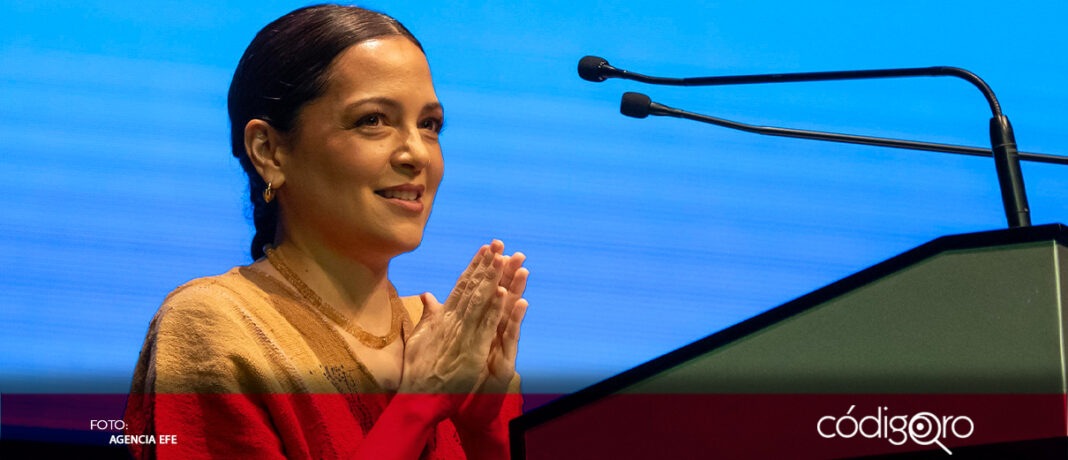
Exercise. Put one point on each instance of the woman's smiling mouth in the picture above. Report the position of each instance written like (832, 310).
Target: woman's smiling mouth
(406, 196)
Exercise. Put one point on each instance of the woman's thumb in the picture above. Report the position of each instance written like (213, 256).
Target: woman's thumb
(431, 306)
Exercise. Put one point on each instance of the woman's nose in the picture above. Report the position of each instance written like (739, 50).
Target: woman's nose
(414, 154)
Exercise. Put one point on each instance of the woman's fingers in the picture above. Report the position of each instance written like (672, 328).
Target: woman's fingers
(487, 333)
(510, 337)
(514, 262)
(465, 278)
(478, 300)
(515, 292)
(503, 351)
(477, 258)
(518, 284)
(488, 293)
(492, 316)
(472, 279)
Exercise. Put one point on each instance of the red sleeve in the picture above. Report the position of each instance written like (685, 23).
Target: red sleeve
(208, 426)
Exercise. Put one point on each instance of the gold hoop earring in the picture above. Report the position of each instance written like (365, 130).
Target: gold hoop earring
(268, 193)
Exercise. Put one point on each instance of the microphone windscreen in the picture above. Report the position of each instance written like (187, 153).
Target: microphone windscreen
(589, 68)
(635, 105)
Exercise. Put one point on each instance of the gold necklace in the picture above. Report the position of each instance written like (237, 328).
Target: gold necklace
(373, 341)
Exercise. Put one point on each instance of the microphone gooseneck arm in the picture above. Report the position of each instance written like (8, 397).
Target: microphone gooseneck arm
(605, 71)
(1002, 140)
(638, 105)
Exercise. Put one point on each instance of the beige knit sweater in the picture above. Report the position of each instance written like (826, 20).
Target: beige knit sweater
(238, 365)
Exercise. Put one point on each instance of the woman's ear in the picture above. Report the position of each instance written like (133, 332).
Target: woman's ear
(266, 151)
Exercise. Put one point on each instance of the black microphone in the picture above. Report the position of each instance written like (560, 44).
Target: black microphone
(638, 105)
(635, 105)
(597, 69)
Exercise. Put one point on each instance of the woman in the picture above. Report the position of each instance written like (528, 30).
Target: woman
(308, 352)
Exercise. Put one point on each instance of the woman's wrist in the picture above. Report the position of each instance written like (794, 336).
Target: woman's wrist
(401, 432)
(420, 409)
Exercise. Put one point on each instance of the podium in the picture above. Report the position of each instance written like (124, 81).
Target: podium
(956, 346)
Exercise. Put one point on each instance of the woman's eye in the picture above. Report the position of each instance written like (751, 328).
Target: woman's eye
(373, 119)
(433, 124)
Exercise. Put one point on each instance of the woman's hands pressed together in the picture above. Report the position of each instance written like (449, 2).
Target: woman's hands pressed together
(464, 350)
(483, 406)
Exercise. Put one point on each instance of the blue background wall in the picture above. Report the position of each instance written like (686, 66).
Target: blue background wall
(642, 235)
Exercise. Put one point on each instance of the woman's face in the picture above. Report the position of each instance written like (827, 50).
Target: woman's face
(365, 161)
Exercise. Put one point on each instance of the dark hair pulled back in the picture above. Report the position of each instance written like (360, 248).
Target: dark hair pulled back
(284, 68)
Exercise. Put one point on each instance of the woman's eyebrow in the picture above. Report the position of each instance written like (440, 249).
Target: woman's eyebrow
(393, 104)
(433, 106)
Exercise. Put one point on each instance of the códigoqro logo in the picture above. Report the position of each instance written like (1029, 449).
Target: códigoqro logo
(922, 428)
